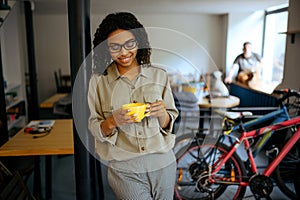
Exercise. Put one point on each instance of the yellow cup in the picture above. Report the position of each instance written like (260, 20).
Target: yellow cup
(136, 108)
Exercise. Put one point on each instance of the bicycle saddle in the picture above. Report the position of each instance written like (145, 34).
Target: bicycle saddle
(236, 115)
(233, 114)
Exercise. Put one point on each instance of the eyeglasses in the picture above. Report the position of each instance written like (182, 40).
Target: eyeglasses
(129, 45)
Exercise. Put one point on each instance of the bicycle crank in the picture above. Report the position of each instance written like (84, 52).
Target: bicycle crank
(261, 186)
(203, 184)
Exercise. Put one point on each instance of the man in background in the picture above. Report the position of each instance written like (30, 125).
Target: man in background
(248, 64)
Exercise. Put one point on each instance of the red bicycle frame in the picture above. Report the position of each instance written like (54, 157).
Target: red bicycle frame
(255, 133)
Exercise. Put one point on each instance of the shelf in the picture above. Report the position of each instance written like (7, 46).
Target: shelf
(14, 114)
(16, 102)
(292, 33)
(12, 87)
(5, 12)
(20, 122)
(12, 95)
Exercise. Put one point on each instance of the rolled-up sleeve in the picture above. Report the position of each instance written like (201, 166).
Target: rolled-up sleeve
(96, 112)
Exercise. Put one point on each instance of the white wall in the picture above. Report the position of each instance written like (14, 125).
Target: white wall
(207, 32)
(51, 36)
(52, 43)
(292, 59)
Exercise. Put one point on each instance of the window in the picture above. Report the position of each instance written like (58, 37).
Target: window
(274, 44)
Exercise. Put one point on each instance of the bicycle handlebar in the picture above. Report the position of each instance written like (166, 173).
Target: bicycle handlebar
(286, 93)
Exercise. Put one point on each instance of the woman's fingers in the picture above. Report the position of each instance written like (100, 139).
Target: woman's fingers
(121, 117)
(157, 108)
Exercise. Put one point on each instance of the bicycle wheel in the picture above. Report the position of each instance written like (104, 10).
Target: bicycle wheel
(286, 171)
(185, 140)
(192, 181)
(297, 181)
(292, 103)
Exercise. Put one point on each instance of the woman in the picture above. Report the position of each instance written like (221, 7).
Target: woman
(139, 154)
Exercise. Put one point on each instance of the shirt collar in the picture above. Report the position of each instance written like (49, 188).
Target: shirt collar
(112, 69)
(144, 71)
(113, 72)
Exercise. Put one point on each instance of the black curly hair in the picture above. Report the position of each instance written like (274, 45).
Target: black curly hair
(115, 21)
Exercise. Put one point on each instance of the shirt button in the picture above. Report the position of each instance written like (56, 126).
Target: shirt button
(143, 148)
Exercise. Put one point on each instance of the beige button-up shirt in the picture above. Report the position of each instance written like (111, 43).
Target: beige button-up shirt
(109, 91)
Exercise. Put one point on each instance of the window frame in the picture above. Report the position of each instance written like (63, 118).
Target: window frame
(268, 13)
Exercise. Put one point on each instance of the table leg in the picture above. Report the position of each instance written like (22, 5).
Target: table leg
(201, 121)
(205, 113)
(48, 174)
(37, 189)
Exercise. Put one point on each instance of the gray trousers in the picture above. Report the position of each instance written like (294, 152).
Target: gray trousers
(149, 185)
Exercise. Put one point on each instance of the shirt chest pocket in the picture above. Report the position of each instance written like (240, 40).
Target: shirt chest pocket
(150, 98)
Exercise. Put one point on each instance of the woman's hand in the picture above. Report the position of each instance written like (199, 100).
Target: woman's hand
(158, 109)
(121, 117)
(118, 118)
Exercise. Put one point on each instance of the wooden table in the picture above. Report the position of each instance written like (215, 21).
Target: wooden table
(58, 142)
(57, 106)
(206, 105)
(49, 103)
(219, 102)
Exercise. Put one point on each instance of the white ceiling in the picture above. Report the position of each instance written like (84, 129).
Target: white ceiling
(184, 6)
(164, 6)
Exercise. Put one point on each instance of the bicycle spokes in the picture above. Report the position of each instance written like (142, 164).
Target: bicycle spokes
(195, 177)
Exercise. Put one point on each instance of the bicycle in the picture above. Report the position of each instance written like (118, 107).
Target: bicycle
(275, 117)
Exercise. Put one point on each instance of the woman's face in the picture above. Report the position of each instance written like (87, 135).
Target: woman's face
(123, 48)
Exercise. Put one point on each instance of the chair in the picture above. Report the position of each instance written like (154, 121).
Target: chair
(24, 165)
(12, 186)
(63, 107)
(261, 103)
(186, 103)
(63, 82)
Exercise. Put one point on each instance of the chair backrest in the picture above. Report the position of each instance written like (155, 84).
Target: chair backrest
(61, 82)
(16, 189)
(57, 81)
(5, 175)
(12, 186)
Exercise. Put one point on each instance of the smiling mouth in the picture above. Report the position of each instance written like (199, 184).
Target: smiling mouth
(125, 60)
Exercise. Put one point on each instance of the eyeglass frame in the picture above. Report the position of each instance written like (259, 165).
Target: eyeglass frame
(123, 46)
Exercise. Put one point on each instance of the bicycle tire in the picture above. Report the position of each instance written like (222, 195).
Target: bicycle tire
(183, 140)
(286, 170)
(297, 181)
(188, 162)
(291, 101)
